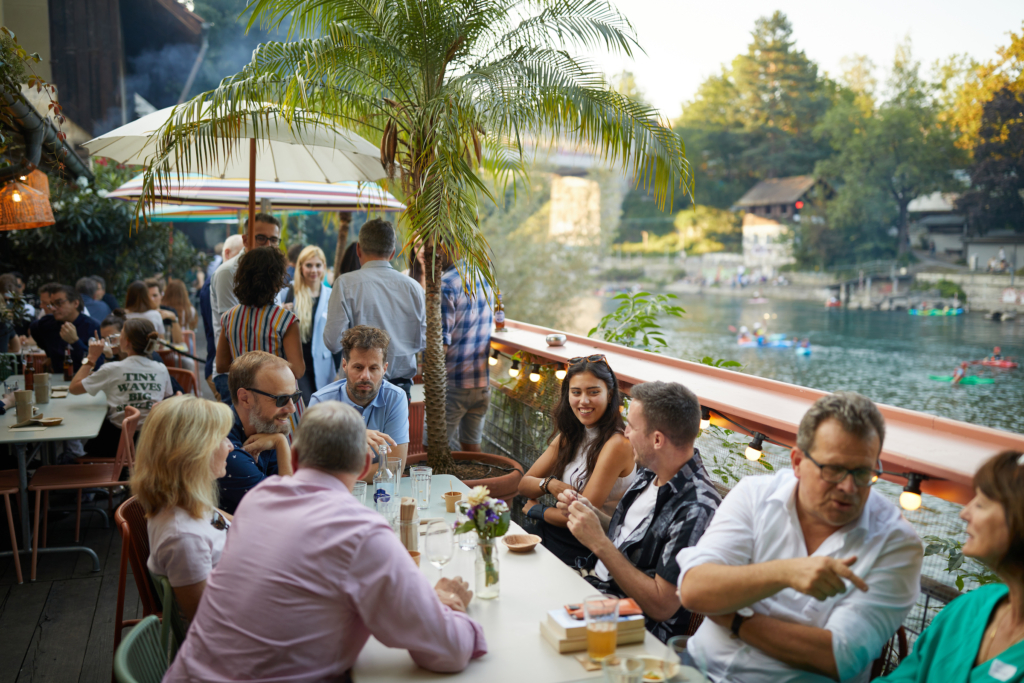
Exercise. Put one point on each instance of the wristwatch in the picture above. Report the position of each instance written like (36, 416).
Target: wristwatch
(741, 615)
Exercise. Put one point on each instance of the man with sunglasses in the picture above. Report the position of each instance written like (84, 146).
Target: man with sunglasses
(806, 574)
(222, 285)
(264, 393)
(64, 326)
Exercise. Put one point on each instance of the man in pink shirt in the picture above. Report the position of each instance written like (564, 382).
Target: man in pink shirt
(308, 574)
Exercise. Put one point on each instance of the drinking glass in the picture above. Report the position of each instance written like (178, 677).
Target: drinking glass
(388, 507)
(421, 485)
(359, 491)
(440, 544)
(395, 465)
(677, 651)
(467, 541)
(602, 615)
(623, 669)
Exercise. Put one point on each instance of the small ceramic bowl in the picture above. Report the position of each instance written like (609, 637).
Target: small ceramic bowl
(555, 339)
(522, 543)
(50, 421)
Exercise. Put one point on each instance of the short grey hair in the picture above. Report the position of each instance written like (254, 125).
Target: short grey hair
(377, 238)
(857, 414)
(331, 437)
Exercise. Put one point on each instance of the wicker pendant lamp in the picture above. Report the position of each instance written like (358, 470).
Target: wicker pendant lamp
(38, 181)
(22, 207)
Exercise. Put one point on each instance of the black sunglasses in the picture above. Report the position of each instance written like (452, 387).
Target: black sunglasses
(282, 400)
(596, 358)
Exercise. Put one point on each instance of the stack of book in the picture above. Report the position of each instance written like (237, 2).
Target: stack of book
(570, 635)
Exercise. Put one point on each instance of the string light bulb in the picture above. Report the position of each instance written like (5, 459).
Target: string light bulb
(755, 447)
(16, 196)
(535, 373)
(560, 372)
(513, 370)
(705, 418)
(493, 360)
(910, 499)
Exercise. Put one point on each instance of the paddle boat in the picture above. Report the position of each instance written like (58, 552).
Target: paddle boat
(936, 311)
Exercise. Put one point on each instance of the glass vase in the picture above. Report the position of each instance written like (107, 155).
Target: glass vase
(488, 572)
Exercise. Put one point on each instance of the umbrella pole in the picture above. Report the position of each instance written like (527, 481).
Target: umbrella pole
(250, 236)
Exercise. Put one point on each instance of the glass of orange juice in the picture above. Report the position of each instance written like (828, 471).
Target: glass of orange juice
(602, 615)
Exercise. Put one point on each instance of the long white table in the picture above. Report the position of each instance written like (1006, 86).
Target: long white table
(83, 416)
(531, 584)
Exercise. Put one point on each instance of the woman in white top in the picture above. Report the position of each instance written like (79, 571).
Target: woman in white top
(589, 454)
(307, 297)
(139, 304)
(137, 381)
(182, 452)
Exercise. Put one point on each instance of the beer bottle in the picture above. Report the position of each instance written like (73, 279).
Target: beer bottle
(499, 314)
(30, 373)
(69, 368)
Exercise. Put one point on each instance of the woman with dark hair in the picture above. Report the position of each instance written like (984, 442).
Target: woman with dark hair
(980, 635)
(137, 381)
(258, 323)
(350, 261)
(139, 304)
(589, 454)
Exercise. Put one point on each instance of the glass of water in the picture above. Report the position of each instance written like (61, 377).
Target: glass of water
(359, 491)
(467, 541)
(440, 544)
(421, 485)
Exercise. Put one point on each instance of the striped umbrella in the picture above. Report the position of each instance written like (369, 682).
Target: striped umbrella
(197, 190)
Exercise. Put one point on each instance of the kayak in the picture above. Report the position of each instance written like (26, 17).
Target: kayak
(803, 350)
(937, 311)
(777, 344)
(969, 380)
(998, 363)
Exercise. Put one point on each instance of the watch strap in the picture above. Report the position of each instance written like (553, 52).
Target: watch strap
(737, 621)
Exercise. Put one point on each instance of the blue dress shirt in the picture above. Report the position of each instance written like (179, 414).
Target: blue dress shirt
(388, 412)
(243, 472)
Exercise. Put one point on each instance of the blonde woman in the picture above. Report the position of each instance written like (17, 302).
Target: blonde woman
(309, 296)
(182, 452)
(176, 297)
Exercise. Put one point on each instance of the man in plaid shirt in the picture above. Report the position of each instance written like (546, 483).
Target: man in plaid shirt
(466, 323)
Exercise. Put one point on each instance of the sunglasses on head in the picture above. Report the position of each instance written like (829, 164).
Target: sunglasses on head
(596, 358)
(280, 401)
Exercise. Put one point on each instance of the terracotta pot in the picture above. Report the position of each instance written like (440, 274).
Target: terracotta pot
(504, 487)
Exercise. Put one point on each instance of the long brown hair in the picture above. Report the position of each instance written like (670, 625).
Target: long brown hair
(137, 300)
(572, 431)
(176, 296)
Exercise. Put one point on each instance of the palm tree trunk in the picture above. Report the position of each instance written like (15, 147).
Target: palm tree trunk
(344, 221)
(435, 375)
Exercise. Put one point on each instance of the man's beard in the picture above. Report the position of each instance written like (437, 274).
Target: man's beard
(363, 395)
(263, 426)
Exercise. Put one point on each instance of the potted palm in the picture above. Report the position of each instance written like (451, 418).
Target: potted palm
(452, 90)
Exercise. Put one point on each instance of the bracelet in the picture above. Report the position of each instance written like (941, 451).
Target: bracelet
(537, 511)
(544, 485)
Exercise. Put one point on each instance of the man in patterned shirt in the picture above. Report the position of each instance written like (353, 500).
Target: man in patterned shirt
(668, 507)
(466, 323)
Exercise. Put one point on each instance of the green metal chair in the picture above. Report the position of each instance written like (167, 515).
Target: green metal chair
(174, 625)
(140, 656)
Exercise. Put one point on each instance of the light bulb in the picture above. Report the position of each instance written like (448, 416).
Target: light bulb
(910, 500)
(754, 451)
(513, 370)
(560, 372)
(535, 373)
(16, 197)
(22, 178)
(705, 418)
(493, 360)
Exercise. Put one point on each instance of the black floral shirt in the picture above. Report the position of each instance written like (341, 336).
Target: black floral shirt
(682, 512)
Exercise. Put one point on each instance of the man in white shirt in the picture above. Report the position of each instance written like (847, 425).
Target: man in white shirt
(805, 574)
(222, 286)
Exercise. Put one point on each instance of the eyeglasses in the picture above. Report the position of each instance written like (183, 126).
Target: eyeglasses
(833, 474)
(219, 521)
(263, 240)
(54, 303)
(596, 358)
(280, 401)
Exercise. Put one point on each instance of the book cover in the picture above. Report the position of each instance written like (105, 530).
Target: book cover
(566, 645)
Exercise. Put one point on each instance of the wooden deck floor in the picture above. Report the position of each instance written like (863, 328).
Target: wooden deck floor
(61, 627)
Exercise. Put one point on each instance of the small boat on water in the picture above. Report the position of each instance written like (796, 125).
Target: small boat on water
(967, 381)
(936, 311)
(833, 303)
(772, 341)
(996, 363)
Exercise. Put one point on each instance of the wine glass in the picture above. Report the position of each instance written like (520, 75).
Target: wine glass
(440, 544)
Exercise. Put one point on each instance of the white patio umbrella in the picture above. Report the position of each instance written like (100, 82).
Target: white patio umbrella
(194, 189)
(310, 148)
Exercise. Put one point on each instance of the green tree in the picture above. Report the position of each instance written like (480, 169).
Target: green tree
(886, 157)
(449, 88)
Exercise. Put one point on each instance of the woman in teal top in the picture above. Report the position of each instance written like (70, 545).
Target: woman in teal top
(978, 637)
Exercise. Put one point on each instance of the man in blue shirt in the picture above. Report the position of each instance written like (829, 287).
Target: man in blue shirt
(384, 406)
(65, 326)
(264, 392)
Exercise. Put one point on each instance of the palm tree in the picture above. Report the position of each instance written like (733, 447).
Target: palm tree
(452, 89)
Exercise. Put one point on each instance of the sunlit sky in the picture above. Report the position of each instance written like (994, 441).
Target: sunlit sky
(686, 40)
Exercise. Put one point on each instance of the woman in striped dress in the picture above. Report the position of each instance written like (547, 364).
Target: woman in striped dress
(257, 323)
